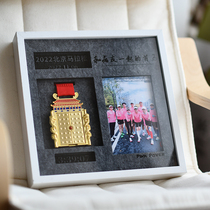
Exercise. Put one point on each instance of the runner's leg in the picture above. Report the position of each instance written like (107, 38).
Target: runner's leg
(134, 127)
(138, 133)
(148, 132)
(126, 126)
(112, 129)
(143, 128)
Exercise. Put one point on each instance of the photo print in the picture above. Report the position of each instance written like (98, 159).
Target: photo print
(131, 115)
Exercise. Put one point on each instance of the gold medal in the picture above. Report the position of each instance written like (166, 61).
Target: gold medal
(69, 121)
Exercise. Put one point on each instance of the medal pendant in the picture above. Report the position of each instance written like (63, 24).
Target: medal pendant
(69, 122)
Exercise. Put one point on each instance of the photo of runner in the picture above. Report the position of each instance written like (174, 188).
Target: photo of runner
(112, 120)
(131, 115)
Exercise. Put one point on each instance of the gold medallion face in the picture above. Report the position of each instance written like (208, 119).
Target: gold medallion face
(69, 122)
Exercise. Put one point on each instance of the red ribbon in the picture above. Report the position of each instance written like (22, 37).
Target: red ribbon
(65, 89)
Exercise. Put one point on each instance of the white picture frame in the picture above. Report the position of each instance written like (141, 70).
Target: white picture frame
(36, 180)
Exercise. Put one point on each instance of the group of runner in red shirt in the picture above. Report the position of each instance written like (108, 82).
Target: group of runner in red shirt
(135, 119)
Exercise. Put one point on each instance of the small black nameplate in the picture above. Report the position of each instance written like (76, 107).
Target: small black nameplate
(75, 157)
(62, 60)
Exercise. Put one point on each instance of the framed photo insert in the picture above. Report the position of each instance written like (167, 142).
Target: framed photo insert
(96, 106)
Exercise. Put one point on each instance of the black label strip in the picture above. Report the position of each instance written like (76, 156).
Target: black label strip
(62, 60)
(75, 157)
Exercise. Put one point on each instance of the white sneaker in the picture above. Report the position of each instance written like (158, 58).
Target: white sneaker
(152, 142)
(148, 138)
(130, 139)
(155, 135)
(131, 136)
(134, 133)
(157, 138)
(139, 139)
